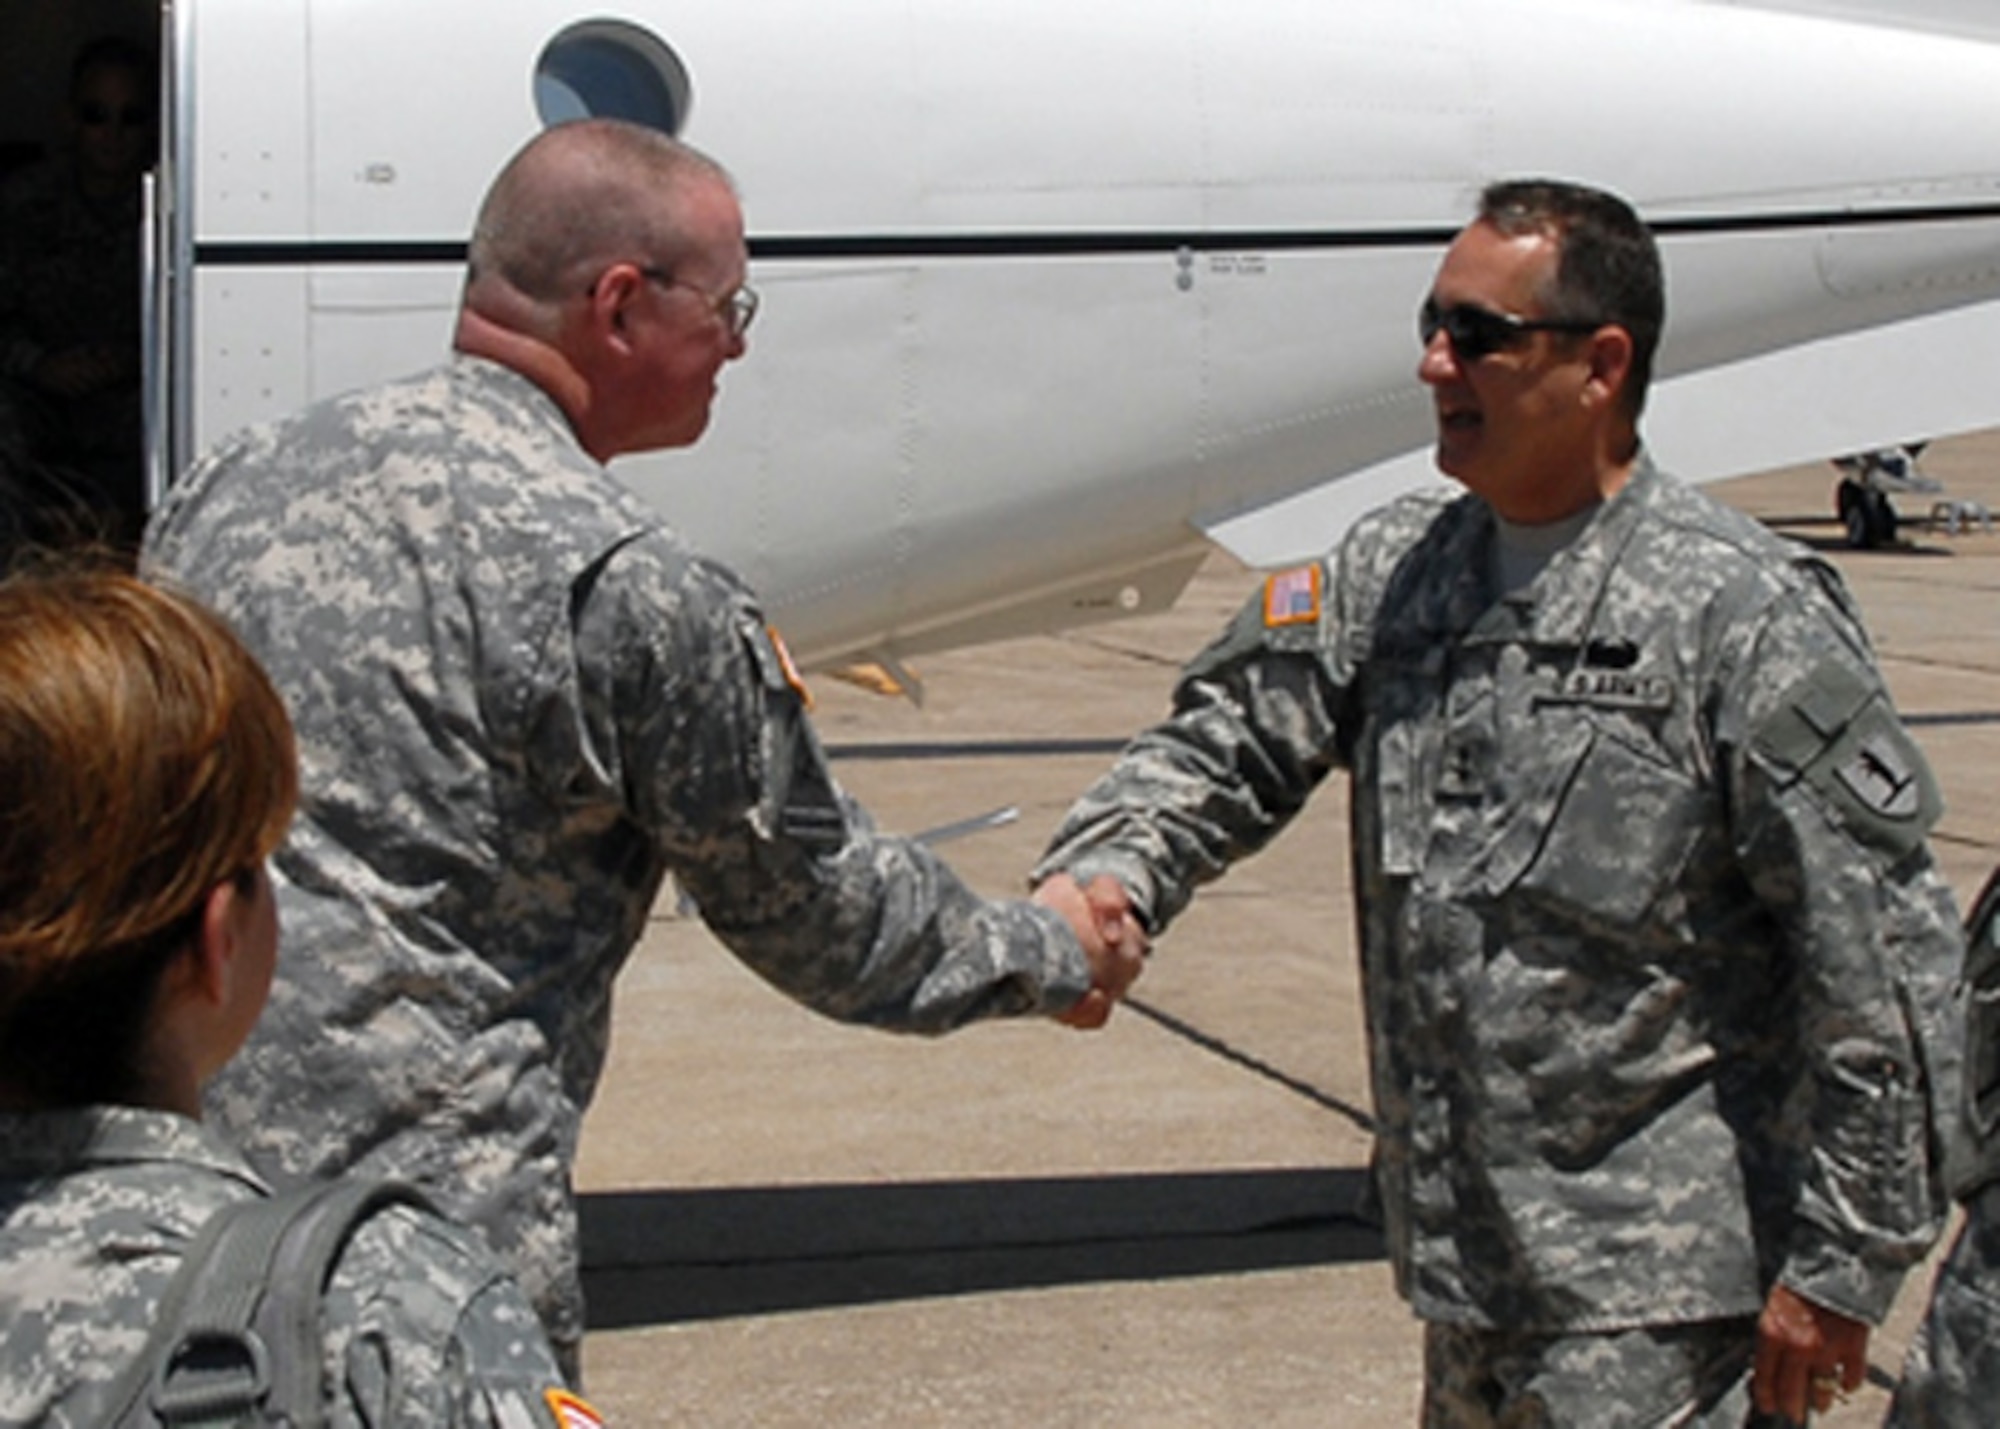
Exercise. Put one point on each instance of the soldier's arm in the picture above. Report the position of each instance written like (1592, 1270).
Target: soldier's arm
(424, 1326)
(722, 765)
(1833, 805)
(1251, 735)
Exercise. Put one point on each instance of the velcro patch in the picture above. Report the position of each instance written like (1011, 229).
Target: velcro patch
(1292, 597)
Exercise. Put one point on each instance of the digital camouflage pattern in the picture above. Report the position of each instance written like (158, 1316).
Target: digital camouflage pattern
(1693, 1376)
(97, 1207)
(1658, 972)
(520, 702)
(1951, 1376)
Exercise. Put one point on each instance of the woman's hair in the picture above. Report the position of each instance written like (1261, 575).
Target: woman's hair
(144, 759)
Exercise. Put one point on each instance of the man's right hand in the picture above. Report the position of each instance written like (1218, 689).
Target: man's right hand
(1112, 939)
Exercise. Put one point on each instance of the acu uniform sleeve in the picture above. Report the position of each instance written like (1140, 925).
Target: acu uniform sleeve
(1834, 806)
(1252, 734)
(724, 766)
(427, 1328)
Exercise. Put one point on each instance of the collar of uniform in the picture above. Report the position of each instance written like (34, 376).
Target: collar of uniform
(73, 1138)
(1559, 606)
(517, 397)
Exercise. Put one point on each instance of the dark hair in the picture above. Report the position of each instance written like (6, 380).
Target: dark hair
(1608, 268)
(113, 52)
(144, 759)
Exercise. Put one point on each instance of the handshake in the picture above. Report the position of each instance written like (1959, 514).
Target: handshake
(1102, 918)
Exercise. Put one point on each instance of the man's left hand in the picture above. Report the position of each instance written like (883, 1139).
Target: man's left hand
(1807, 1356)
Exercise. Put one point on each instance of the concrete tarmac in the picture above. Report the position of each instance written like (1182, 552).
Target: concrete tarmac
(793, 1223)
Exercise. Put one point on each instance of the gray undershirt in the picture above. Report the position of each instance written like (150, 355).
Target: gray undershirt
(1520, 552)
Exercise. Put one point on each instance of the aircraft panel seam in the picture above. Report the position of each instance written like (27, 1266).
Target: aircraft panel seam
(270, 253)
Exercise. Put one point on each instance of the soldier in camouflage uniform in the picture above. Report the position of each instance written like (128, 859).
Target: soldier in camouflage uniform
(137, 937)
(1951, 1377)
(521, 701)
(1657, 968)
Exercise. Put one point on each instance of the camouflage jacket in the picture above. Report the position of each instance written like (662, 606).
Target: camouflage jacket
(1658, 972)
(1976, 1151)
(519, 702)
(97, 1206)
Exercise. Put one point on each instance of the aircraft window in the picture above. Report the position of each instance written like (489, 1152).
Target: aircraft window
(607, 69)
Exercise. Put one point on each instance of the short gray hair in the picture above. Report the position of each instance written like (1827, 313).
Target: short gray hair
(582, 195)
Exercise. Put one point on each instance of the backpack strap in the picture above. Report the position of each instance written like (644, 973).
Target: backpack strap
(237, 1336)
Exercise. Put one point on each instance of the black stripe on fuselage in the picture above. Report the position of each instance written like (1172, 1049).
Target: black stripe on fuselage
(1098, 243)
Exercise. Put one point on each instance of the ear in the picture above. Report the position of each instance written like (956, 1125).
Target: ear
(1610, 366)
(611, 299)
(211, 962)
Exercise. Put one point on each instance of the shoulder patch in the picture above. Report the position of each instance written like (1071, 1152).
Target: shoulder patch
(785, 663)
(571, 1412)
(1292, 597)
(1882, 777)
(774, 662)
(1838, 734)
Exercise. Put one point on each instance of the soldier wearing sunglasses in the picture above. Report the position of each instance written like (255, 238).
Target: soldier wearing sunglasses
(1658, 968)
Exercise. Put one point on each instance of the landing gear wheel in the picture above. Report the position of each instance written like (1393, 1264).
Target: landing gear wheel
(1866, 516)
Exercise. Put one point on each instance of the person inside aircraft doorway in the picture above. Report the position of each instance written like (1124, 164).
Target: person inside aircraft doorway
(70, 420)
(1658, 967)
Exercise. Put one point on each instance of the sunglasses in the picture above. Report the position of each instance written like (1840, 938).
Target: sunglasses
(1477, 332)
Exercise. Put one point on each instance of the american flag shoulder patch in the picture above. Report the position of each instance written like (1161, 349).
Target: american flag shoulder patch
(1292, 597)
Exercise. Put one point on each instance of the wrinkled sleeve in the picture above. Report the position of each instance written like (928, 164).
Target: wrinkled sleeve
(425, 1327)
(1832, 806)
(722, 765)
(1252, 733)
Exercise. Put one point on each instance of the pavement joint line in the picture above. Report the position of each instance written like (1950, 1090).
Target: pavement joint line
(1222, 1049)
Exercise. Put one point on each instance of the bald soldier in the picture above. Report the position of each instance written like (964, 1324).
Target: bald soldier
(521, 700)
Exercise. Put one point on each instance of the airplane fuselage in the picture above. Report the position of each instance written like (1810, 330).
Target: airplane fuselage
(1053, 292)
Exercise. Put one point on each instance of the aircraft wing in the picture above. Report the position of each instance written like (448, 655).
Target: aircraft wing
(1909, 381)
(1906, 381)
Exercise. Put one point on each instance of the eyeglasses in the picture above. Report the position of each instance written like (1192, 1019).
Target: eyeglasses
(1477, 332)
(127, 116)
(737, 310)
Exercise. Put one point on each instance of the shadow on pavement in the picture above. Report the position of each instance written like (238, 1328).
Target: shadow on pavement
(660, 1257)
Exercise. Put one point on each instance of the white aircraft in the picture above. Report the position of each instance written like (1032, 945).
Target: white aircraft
(1056, 294)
